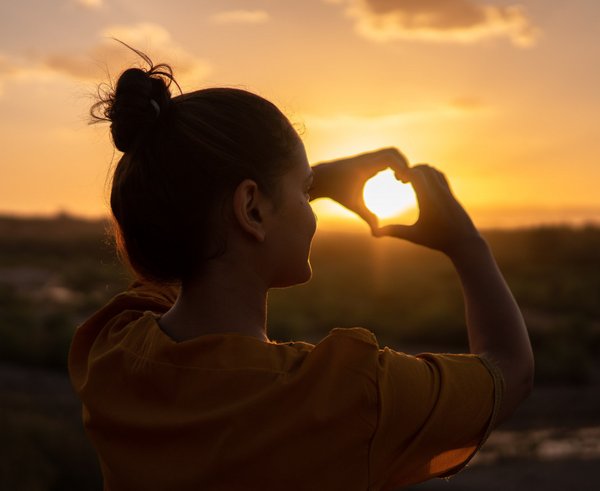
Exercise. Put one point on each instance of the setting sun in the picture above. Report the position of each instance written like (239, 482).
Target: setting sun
(488, 126)
(387, 197)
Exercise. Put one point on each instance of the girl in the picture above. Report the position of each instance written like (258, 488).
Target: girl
(182, 388)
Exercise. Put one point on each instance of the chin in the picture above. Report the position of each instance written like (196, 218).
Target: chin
(307, 275)
(294, 277)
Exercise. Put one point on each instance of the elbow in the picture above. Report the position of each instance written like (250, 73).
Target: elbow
(518, 386)
(527, 382)
(522, 388)
(526, 375)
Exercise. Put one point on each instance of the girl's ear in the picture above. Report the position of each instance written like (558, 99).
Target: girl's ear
(249, 207)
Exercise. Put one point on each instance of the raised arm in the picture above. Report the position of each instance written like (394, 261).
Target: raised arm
(495, 325)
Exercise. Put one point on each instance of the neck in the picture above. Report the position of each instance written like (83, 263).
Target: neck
(224, 299)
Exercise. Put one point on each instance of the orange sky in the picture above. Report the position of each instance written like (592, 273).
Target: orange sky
(502, 97)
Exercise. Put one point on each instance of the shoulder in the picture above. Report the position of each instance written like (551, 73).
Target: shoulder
(348, 346)
(121, 310)
(140, 297)
(355, 335)
(345, 353)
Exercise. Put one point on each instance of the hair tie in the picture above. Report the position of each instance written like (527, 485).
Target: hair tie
(155, 106)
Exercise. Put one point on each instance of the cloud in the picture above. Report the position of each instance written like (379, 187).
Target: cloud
(18, 68)
(107, 58)
(107, 55)
(467, 103)
(14, 67)
(381, 122)
(240, 17)
(7, 66)
(461, 21)
(90, 4)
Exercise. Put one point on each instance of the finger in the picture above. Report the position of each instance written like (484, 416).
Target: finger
(418, 177)
(441, 193)
(406, 232)
(370, 218)
(397, 162)
(443, 182)
(384, 158)
(431, 182)
(441, 177)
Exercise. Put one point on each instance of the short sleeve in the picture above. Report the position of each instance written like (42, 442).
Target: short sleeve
(434, 412)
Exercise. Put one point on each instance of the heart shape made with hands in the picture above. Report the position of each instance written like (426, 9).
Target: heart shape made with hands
(391, 200)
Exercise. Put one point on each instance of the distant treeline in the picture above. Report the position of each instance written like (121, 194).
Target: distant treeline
(54, 272)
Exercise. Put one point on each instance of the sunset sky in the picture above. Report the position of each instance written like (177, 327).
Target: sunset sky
(502, 96)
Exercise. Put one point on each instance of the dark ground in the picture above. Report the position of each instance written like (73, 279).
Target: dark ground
(55, 272)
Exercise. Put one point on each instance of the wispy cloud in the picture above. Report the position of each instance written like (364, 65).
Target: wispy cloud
(90, 4)
(7, 66)
(107, 55)
(451, 110)
(160, 46)
(13, 68)
(467, 103)
(240, 17)
(460, 21)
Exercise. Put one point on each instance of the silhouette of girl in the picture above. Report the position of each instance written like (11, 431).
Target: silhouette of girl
(182, 388)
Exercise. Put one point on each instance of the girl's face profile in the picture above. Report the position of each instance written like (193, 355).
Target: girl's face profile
(294, 224)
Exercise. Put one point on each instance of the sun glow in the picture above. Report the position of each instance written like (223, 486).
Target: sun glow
(387, 197)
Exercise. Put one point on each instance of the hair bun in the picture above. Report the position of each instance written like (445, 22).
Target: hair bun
(140, 97)
(138, 100)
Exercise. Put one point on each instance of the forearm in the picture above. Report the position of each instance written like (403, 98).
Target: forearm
(495, 325)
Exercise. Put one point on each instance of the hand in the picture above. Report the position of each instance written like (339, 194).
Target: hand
(343, 180)
(443, 224)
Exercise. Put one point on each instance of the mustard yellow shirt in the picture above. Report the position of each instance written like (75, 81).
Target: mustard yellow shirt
(231, 412)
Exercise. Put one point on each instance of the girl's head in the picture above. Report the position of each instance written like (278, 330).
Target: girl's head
(184, 157)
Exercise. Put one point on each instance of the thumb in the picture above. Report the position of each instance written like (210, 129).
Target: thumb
(406, 232)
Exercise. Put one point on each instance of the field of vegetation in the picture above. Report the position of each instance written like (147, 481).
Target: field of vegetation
(56, 272)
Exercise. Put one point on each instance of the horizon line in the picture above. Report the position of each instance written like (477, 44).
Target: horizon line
(572, 217)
